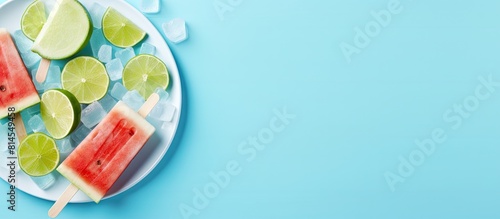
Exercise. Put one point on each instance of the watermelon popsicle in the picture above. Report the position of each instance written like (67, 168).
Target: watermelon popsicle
(96, 164)
(17, 91)
(66, 32)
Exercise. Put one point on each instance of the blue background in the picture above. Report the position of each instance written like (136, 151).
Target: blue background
(354, 120)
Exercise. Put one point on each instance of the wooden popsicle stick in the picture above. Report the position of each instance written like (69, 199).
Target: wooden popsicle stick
(42, 71)
(149, 104)
(19, 126)
(63, 200)
(71, 190)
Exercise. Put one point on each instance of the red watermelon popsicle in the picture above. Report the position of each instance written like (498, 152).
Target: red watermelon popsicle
(16, 87)
(105, 153)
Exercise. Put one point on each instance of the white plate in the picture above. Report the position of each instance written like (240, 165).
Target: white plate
(151, 154)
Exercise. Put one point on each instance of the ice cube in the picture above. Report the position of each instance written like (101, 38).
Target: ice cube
(22, 42)
(167, 125)
(52, 86)
(30, 59)
(96, 41)
(105, 53)
(150, 6)
(164, 95)
(115, 69)
(36, 124)
(64, 146)
(79, 134)
(147, 48)
(96, 12)
(175, 30)
(54, 74)
(4, 134)
(125, 54)
(33, 110)
(163, 111)
(44, 182)
(107, 102)
(133, 99)
(118, 91)
(93, 114)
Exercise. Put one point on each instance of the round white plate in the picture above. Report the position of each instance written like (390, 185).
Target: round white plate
(151, 154)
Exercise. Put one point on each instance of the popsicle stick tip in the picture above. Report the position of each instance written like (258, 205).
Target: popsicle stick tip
(43, 68)
(149, 104)
(63, 200)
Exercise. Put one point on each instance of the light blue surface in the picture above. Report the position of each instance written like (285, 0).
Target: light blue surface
(353, 120)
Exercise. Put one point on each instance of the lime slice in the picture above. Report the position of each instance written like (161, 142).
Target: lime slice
(38, 154)
(33, 19)
(119, 30)
(60, 112)
(66, 31)
(86, 78)
(145, 73)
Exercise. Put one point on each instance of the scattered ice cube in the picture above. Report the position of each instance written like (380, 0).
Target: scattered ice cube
(118, 91)
(44, 182)
(33, 110)
(48, 86)
(163, 111)
(150, 6)
(22, 42)
(80, 133)
(167, 125)
(96, 41)
(96, 12)
(105, 53)
(175, 30)
(125, 54)
(4, 134)
(115, 69)
(36, 124)
(64, 146)
(107, 102)
(93, 114)
(30, 59)
(54, 74)
(164, 95)
(147, 48)
(24, 47)
(133, 99)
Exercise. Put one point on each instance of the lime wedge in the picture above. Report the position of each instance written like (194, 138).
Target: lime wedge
(86, 78)
(38, 155)
(145, 73)
(66, 31)
(33, 19)
(60, 112)
(119, 30)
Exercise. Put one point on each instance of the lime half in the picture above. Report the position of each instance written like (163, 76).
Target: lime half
(33, 19)
(119, 30)
(38, 155)
(145, 73)
(60, 112)
(86, 78)
(67, 31)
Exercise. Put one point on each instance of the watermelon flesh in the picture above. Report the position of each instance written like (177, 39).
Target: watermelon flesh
(105, 153)
(17, 90)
